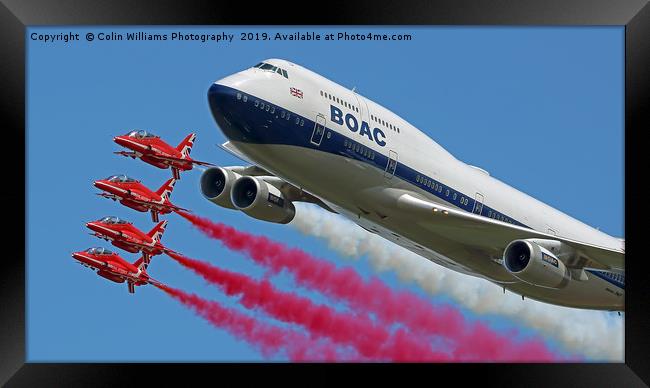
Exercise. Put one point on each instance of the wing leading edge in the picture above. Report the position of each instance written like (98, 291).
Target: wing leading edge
(477, 230)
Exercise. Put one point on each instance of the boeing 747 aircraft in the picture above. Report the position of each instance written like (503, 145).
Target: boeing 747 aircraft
(310, 139)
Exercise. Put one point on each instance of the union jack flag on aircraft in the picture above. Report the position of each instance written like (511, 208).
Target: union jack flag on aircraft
(296, 92)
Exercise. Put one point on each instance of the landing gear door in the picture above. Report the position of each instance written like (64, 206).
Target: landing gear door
(319, 130)
(391, 166)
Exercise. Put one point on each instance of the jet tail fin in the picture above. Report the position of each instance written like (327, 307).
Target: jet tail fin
(165, 191)
(185, 147)
(157, 231)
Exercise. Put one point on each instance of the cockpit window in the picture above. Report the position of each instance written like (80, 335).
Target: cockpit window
(99, 251)
(120, 178)
(141, 134)
(112, 220)
(275, 69)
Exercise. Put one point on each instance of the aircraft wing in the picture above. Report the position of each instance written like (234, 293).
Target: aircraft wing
(172, 159)
(231, 149)
(153, 205)
(130, 154)
(483, 232)
(154, 282)
(176, 208)
(168, 250)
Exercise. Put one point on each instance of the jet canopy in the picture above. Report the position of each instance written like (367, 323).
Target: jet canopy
(141, 134)
(112, 220)
(120, 178)
(98, 251)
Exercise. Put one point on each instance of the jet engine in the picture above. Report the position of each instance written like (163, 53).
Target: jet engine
(534, 264)
(261, 200)
(216, 184)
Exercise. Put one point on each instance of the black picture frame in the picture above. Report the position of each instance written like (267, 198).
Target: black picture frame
(16, 16)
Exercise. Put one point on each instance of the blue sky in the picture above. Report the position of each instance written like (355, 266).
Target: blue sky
(540, 108)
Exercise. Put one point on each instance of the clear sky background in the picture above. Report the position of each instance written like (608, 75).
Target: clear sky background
(539, 108)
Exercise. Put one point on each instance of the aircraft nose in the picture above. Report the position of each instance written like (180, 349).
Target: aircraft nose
(231, 109)
(217, 94)
(219, 99)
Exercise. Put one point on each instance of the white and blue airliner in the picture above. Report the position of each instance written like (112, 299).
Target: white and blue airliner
(309, 139)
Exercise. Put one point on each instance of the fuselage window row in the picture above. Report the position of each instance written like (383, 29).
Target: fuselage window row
(435, 187)
(271, 109)
(386, 124)
(362, 150)
(438, 188)
(347, 105)
(498, 216)
(339, 101)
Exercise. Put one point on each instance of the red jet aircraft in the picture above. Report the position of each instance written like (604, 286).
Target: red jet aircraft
(124, 235)
(130, 192)
(114, 268)
(151, 149)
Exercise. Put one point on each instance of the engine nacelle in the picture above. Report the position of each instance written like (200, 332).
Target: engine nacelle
(536, 265)
(216, 184)
(261, 200)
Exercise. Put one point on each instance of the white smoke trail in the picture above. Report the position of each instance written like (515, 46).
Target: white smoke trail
(596, 334)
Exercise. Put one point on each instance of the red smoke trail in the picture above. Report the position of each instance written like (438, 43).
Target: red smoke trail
(369, 339)
(474, 340)
(270, 339)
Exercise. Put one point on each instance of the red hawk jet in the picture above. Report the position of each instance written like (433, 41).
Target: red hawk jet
(131, 193)
(114, 268)
(151, 149)
(124, 235)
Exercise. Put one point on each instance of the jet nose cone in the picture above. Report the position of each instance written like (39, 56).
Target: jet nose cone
(218, 100)
(214, 88)
(120, 140)
(218, 94)
(230, 108)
